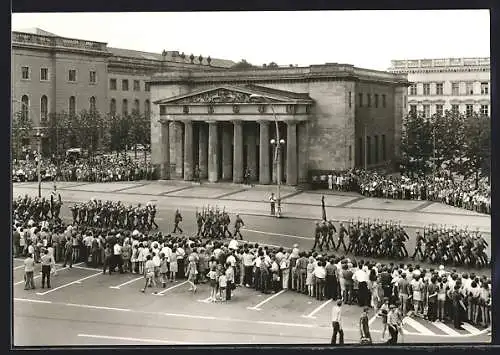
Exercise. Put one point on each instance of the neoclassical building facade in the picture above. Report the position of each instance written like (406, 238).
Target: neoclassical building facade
(330, 117)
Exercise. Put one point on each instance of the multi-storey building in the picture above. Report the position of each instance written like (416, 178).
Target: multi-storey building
(436, 85)
(54, 74)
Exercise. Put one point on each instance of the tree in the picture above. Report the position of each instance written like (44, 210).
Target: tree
(416, 144)
(243, 64)
(58, 132)
(22, 126)
(139, 131)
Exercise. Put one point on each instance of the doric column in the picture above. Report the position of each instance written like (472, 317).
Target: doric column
(188, 150)
(238, 152)
(165, 151)
(227, 150)
(303, 143)
(203, 151)
(213, 159)
(291, 153)
(179, 150)
(264, 170)
(251, 140)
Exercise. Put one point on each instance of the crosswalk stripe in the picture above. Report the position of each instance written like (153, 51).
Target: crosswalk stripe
(471, 329)
(417, 326)
(443, 327)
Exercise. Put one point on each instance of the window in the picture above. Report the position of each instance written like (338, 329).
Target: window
(369, 100)
(368, 150)
(376, 150)
(72, 75)
(25, 73)
(147, 108)
(469, 109)
(360, 100)
(137, 105)
(72, 105)
(485, 90)
(350, 99)
(360, 152)
(469, 89)
(112, 107)
(383, 148)
(376, 100)
(439, 110)
(455, 89)
(484, 110)
(426, 111)
(350, 153)
(92, 104)
(413, 109)
(405, 101)
(112, 84)
(384, 103)
(44, 74)
(439, 89)
(43, 109)
(125, 85)
(427, 89)
(454, 108)
(146, 87)
(413, 89)
(92, 77)
(25, 107)
(137, 85)
(125, 108)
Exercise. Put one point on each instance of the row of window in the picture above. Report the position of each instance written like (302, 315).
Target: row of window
(125, 111)
(375, 152)
(469, 109)
(369, 100)
(44, 75)
(455, 89)
(136, 85)
(44, 106)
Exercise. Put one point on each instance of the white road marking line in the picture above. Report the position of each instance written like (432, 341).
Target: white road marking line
(276, 234)
(257, 307)
(98, 307)
(170, 288)
(287, 324)
(471, 329)
(18, 267)
(85, 268)
(126, 283)
(68, 284)
(30, 300)
(206, 300)
(188, 316)
(417, 326)
(39, 275)
(139, 340)
(319, 308)
(446, 329)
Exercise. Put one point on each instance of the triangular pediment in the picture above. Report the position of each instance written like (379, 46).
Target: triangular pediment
(236, 94)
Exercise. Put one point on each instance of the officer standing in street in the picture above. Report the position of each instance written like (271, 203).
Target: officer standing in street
(47, 261)
(272, 200)
(177, 220)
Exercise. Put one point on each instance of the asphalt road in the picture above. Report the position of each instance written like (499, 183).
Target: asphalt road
(85, 307)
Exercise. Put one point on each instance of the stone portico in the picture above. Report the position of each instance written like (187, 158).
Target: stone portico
(226, 129)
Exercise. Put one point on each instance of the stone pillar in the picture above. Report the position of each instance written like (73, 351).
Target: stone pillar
(264, 176)
(251, 136)
(165, 151)
(238, 152)
(213, 159)
(203, 151)
(179, 150)
(188, 151)
(303, 161)
(227, 147)
(291, 153)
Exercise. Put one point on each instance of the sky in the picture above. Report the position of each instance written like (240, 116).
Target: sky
(367, 39)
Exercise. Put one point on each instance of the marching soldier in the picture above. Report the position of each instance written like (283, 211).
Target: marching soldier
(177, 220)
(342, 233)
(225, 225)
(199, 221)
(317, 235)
(237, 225)
(418, 247)
(331, 230)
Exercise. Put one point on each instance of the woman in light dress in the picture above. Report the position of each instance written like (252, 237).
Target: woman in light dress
(174, 267)
(191, 273)
(309, 276)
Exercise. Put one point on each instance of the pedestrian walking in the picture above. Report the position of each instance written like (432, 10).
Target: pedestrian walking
(337, 323)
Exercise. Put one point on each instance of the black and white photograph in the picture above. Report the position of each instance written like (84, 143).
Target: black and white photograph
(251, 178)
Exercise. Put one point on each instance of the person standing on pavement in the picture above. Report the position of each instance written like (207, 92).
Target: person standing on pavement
(394, 324)
(272, 201)
(117, 257)
(364, 327)
(149, 273)
(229, 280)
(47, 262)
(337, 323)
(29, 269)
(68, 253)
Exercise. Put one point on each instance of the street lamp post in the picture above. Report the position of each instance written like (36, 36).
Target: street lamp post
(39, 136)
(277, 143)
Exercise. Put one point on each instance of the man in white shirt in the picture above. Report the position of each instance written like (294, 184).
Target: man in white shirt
(362, 277)
(117, 256)
(337, 323)
(248, 261)
(233, 244)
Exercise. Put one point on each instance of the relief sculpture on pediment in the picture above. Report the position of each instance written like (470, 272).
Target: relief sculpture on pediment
(220, 96)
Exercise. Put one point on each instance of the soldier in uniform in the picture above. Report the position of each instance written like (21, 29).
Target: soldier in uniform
(418, 247)
(342, 233)
(199, 221)
(225, 225)
(317, 235)
(331, 230)
(237, 225)
(177, 220)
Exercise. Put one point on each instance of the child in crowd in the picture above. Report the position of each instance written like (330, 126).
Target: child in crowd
(163, 270)
(222, 287)
(212, 276)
